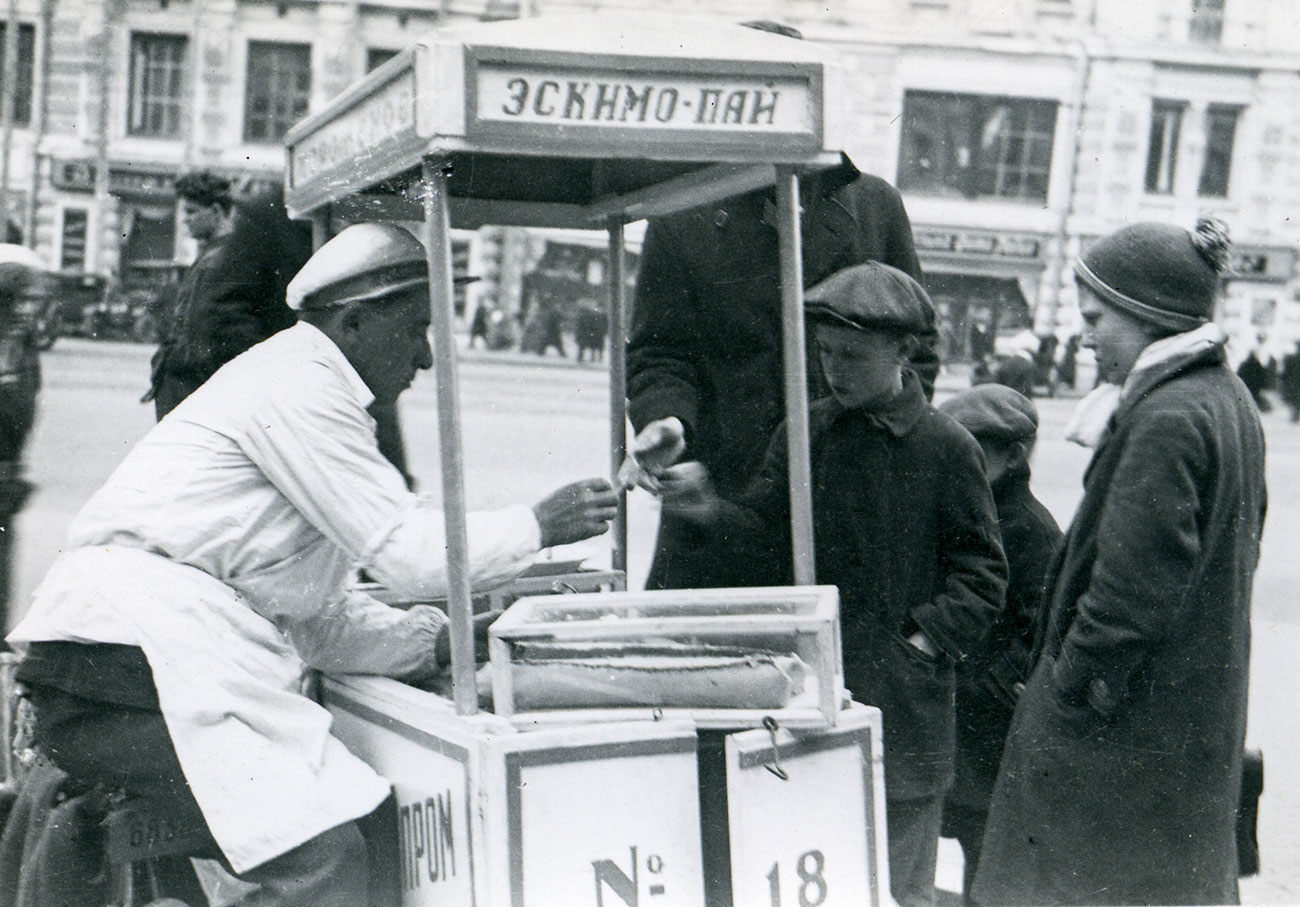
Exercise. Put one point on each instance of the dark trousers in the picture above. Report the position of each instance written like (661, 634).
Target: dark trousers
(913, 826)
(130, 749)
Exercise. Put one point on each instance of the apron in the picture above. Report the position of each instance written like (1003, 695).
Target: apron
(257, 753)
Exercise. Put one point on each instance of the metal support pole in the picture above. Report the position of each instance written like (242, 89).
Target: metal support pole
(320, 228)
(437, 243)
(617, 305)
(796, 374)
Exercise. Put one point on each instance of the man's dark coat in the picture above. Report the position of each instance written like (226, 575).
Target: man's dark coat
(230, 299)
(1121, 774)
(705, 343)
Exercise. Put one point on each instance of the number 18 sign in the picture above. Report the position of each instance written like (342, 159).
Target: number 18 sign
(807, 815)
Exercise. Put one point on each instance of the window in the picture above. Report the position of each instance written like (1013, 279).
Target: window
(157, 80)
(1207, 21)
(1162, 151)
(976, 146)
(1220, 133)
(278, 89)
(72, 257)
(377, 57)
(22, 115)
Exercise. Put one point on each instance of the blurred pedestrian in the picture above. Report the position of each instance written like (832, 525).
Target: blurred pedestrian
(1254, 374)
(1068, 368)
(1015, 372)
(1289, 382)
(1005, 423)
(24, 288)
(233, 295)
(590, 325)
(1122, 773)
(480, 323)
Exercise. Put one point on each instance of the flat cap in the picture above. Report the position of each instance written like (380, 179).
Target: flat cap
(994, 412)
(363, 262)
(871, 296)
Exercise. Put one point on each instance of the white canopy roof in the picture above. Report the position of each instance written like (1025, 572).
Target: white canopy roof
(567, 121)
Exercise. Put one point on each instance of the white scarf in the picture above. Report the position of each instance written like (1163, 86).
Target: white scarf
(1092, 416)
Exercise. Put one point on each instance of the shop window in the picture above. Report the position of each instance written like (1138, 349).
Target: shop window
(1220, 133)
(1162, 149)
(976, 146)
(1206, 25)
(72, 254)
(157, 85)
(278, 89)
(22, 95)
(377, 57)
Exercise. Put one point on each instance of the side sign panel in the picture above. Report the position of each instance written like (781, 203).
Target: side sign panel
(430, 779)
(816, 838)
(609, 825)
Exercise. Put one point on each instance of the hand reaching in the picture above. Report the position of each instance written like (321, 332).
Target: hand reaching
(688, 493)
(654, 449)
(575, 512)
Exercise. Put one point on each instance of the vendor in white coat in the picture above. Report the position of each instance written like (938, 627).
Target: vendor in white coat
(166, 649)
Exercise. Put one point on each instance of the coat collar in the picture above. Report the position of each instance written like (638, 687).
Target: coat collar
(899, 415)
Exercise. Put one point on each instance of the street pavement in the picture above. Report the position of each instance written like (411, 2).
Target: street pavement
(533, 423)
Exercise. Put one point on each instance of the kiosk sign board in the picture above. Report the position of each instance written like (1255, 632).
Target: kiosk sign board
(807, 815)
(566, 98)
(388, 117)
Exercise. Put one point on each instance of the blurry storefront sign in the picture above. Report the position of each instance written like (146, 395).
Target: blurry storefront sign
(979, 242)
(151, 183)
(1254, 263)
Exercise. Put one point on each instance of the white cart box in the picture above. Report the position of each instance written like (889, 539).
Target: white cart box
(724, 658)
(806, 814)
(600, 815)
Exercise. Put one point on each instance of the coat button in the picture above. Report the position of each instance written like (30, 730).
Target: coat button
(720, 218)
(1100, 698)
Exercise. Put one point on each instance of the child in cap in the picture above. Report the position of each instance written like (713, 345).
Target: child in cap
(1005, 423)
(904, 525)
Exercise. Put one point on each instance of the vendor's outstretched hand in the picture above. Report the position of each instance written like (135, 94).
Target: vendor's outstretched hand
(654, 449)
(688, 493)
(442, 647)
(576, 512)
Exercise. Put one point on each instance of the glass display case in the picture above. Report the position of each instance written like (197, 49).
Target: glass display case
(725, 658)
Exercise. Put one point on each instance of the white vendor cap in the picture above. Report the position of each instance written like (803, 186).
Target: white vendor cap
(364, 261)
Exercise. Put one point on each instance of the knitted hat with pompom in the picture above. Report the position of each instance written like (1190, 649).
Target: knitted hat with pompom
(1158, 273)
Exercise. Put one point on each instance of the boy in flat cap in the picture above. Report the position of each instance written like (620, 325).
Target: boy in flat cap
(903, 523)
(1005, 423)
(166, 647)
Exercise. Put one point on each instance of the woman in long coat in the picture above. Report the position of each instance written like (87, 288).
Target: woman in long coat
(1121, 775)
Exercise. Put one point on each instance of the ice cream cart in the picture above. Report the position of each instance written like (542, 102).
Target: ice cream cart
(593, 122)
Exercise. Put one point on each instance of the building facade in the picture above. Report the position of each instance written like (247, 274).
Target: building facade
(1020, 130)
(119, 97)
(1017, 130)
